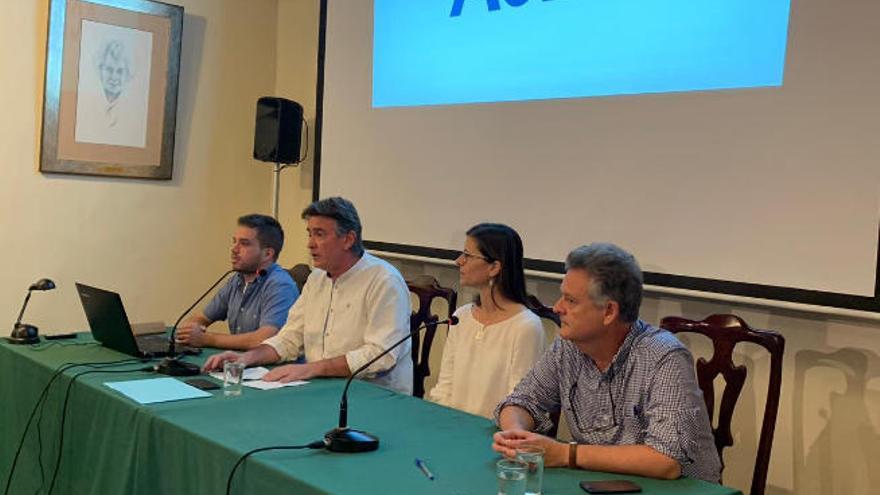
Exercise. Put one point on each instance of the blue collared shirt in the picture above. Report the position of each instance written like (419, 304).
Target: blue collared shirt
(249, 306)
(647, 396)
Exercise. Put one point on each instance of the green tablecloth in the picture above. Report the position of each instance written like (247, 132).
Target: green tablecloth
(114, 445)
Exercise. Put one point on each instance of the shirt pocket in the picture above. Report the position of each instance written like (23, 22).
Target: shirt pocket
(635, 424)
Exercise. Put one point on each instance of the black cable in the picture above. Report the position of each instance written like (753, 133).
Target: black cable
(95, 369)
(319, 444)
(64, 416)
(41, 400)
(46, 345)
(306, 152)
(40, 448)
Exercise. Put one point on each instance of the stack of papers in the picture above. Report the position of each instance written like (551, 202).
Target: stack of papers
(252, 378)
(262, 385)
(249, 373)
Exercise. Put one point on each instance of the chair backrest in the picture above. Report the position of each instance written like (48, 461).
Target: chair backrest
(426, 289)
(300, 273)
(726, 331)
(544, 311)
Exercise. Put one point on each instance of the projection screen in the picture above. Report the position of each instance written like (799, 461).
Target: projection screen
(732, 146)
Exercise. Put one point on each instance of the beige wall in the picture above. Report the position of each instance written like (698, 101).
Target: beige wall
(295, 79)
(159, 243)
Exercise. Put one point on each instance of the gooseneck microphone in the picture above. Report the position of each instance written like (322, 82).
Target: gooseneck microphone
(344, 439)
(172, 365)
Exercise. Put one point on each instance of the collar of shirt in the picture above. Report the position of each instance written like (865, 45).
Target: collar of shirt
(358, 266)
(271, 268)
(636, 331)
(241, 285)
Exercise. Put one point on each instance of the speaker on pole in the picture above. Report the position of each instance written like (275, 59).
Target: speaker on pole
(278, 131)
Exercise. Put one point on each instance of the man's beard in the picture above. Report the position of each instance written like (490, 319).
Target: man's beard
(249, 269)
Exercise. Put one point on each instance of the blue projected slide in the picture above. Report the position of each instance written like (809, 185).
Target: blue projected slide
(429, 52)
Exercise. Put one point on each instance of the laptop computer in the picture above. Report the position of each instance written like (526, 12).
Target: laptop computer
(110, 325)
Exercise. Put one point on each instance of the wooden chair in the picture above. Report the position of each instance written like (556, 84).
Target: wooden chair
(726, 331)
(543, 311)
(300, 273)
(426, 289)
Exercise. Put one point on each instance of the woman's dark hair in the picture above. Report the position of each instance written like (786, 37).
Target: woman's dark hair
(498, 242)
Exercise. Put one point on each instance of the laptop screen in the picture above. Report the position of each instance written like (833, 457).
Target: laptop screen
(107, 319)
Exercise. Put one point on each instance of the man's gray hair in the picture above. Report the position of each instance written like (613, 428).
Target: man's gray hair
(345, 214)
(615, 276)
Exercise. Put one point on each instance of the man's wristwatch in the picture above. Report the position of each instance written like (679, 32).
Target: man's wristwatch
(573, 454)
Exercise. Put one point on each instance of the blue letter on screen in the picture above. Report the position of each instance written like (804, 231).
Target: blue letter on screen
(468, 51)
(457, 5)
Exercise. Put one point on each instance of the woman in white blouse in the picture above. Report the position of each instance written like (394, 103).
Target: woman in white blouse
(498, 338)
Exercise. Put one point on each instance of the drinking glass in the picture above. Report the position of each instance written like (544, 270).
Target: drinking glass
(232, 374)
(511, 475)
(533, 457)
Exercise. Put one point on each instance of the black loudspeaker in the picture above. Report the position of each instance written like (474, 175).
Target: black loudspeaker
(278, 133)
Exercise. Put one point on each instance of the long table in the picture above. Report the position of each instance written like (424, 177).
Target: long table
(114, 445)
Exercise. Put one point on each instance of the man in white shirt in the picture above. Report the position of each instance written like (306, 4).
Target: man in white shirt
(352, 307)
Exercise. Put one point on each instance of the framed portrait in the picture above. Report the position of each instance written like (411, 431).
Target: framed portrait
(110, 99)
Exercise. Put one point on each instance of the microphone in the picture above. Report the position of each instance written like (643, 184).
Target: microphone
(344, 439)
(172, 365)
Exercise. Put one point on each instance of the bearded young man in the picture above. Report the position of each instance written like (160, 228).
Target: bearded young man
(254, 302)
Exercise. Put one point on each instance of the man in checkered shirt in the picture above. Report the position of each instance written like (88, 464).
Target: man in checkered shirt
(627, 389)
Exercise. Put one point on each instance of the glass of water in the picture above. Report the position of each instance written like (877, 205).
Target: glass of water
(533, 457)
(232, 375)
(511, 474)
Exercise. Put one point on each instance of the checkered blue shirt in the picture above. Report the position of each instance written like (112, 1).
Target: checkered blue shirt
(648, 396)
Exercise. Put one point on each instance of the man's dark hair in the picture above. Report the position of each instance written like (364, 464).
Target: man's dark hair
(269, 231)
(345, 214)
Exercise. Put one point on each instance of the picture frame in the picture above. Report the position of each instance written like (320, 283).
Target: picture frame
(110, 97)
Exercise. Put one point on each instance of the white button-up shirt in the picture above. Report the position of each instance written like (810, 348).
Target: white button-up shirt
(359, 315)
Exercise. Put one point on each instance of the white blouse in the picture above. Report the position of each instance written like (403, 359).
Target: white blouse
(482, 363)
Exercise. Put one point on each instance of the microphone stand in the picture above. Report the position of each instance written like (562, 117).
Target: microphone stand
(172, 365)
(344, 439)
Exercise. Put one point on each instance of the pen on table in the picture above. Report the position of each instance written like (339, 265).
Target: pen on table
(424, 468)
